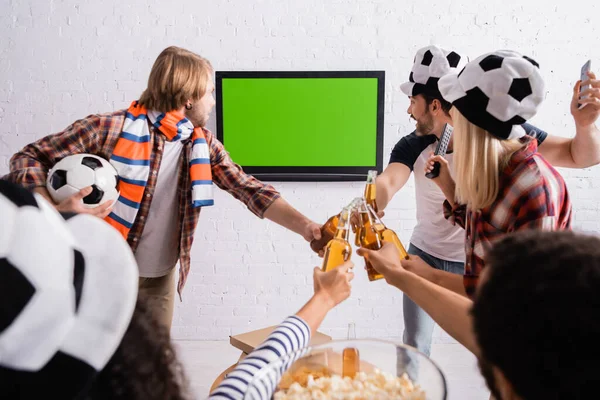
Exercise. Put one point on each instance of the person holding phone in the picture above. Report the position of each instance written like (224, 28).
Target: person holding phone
(439, 244)
(501, 182)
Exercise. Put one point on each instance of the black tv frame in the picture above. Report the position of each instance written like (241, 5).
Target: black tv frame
(308, 174)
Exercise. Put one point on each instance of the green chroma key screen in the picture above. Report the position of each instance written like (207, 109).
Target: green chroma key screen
(302, 125)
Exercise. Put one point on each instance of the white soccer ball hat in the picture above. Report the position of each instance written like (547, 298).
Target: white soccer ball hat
(68, 289)
(431, 63)
(498, 92)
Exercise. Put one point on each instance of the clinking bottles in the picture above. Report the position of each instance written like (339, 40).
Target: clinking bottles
(338, 249)
(369, 238)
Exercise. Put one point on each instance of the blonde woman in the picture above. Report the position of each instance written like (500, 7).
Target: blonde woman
(502, 184)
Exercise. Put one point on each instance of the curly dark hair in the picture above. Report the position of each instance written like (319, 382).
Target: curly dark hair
(537, 314)
(144, 366)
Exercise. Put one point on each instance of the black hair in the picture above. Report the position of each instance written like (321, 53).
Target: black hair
(446, 106)
(145, 365)
(537, 314)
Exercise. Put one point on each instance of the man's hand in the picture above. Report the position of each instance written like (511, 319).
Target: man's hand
(386, 261)
(312, 231)
(590, 112)
(334, 286)
(74, 204)
(444, 179)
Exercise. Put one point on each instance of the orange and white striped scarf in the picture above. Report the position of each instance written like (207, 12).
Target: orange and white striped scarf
(131, 158)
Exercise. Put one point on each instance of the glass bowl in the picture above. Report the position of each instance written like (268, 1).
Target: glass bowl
(378, 361)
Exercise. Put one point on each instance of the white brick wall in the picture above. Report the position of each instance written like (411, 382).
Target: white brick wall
(62, 60)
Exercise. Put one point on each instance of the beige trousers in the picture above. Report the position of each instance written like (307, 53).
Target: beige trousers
(160, 293)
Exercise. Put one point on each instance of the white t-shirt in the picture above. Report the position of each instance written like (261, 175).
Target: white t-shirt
(433, 233)
(158, 249)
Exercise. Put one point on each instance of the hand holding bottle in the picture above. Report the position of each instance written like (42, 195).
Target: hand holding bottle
(334, 286)
(386, 261)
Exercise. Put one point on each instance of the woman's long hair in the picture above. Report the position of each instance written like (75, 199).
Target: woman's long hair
(479, 157)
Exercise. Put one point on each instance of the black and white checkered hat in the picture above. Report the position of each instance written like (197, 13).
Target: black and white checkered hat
(431, 63)
(68, 288)
(498, 92)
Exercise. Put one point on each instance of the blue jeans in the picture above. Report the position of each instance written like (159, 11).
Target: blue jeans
(418, 325)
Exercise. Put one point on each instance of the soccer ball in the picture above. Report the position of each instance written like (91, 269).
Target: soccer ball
(76, 172)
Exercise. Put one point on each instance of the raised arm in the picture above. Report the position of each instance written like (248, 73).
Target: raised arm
(331, 288)
(260, 198)
(392, 179)
(448, 309)
(582, 150)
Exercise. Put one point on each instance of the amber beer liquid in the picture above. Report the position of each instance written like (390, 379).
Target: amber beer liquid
(338, 250)
(388, 235)
(327, 233)
(350, 356)
(370, 197)
(369, 239)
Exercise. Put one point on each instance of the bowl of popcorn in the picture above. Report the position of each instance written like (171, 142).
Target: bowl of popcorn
(351, 369)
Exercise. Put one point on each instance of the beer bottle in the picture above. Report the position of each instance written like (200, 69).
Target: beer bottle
(327, 233)
(388, 235)
(338, 249)
(369, 238)
(370, 197)
(350, 356)
(370, 190)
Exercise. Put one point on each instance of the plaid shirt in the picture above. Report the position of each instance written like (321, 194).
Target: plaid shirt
(532, 195)
(98, 134)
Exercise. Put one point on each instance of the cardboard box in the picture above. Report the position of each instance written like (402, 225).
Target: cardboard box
(246, 342)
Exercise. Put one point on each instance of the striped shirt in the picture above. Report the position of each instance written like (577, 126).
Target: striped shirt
(250, 378)
(98, 134)
(531, 195)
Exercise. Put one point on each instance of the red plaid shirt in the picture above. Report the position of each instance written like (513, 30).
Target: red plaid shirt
(98, 134)
(532, 195)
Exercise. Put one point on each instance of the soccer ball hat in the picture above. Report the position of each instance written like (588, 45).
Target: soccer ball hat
(68, 288)
(497, 92)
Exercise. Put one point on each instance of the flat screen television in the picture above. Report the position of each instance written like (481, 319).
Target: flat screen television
(302, 126)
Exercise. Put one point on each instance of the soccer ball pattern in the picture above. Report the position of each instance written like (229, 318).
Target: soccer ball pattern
(66, 300)
(37, 302)
(430, 64)
(498, 92)
(509, 83)
(78, 171)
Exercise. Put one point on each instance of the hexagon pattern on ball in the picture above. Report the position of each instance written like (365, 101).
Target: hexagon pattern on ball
(78, 171)
(431, 63)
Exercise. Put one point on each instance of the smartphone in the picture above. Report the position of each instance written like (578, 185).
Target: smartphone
(584, 77)
(440, 150)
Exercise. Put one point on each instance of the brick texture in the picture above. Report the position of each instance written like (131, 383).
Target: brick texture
(63, 59)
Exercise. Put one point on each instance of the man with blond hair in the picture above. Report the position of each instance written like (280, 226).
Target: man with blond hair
(167, 163)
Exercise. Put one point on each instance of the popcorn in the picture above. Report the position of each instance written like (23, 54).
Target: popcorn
(372, 386)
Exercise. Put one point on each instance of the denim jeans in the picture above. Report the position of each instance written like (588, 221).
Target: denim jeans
(418, 325)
